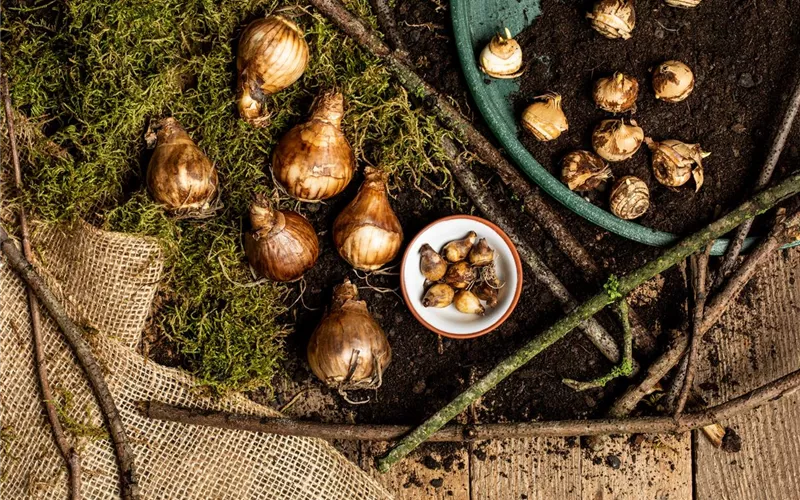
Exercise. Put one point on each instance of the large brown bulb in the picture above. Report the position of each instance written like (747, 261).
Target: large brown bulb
(282, 245)
(180, 176)
(314, 161)
(348, 349)
(367, 233)
(272, 55)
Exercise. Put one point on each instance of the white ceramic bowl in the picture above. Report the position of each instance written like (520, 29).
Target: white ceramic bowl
(448, 321)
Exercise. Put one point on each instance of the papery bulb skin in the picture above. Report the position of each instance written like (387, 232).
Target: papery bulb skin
(180, 176)
(616, 94)
(431, 264)
(348, 349)
(282, 245)
(545, 118)
(367, 233)
(458, 250)
(613, 18)
(314, 161)
(630, 198)
(583, 171)
(439, 295)
(675, 162)
(272, 55)
(502, 57)
(614, 140)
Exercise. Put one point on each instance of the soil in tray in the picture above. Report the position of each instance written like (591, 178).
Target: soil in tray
(743, 55)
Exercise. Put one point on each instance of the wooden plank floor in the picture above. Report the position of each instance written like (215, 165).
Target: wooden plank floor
(755, 343)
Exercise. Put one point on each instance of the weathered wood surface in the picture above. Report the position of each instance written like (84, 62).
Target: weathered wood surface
(434, 472)
(757, 341)
(536, 469)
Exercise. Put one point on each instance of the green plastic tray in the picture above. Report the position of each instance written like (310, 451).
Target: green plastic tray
(474, 23)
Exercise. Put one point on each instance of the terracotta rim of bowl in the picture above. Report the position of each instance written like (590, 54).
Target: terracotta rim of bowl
(517, 292)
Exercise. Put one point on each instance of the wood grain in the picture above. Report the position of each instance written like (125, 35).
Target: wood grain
(757, 341)
(536, 469)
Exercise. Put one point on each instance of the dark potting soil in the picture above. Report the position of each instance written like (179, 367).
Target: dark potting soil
(743, 55)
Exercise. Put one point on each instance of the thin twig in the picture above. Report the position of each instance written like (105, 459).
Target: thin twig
(784, 386)
(387, 22)
(700, 282)
(761, 202)
(729, 261)
(65, 447)
(625, 366)
(440, 106)
(94, 372)
(492, 210)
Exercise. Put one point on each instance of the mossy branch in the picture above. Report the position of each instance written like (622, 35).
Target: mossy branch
(626, 284)
(625, 367)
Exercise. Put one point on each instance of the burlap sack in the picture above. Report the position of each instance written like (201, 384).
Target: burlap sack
(107, 282)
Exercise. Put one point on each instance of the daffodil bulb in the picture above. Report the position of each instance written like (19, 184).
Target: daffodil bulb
(673, 81)
(613, 18)
(675, 162)
(613, 140)
(630, 198)
(616, 94)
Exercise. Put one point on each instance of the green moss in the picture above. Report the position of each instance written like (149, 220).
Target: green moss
(92, 74)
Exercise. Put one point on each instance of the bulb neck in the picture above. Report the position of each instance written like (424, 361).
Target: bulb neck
(329, 108)
(265, 220)
(170, 131)
(345, 292)
(375, 179)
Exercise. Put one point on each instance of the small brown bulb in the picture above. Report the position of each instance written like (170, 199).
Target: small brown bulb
(675, 162)
(282, 245)
(673, 81)
(180, 176)
(431, 264)
(583, 171)
(481, 254)
(613, 18)
(467, 302)
(616, 94)
(487, 293)
(439, 295)
(460, 275)
(614, 140)
(457, 250)
(630, 198)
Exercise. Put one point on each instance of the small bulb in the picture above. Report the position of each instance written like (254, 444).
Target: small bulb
(583, 171)
(502, 57)
(431, 264)
(673, 81)
(613, 18)
(439, 295)
(487, 293)
(613, 140)
(457, 250)
(616, 94)
(630, 198)
(544, 118)
(481, 254)
(467, 302)
(675, 162)
(460, 275)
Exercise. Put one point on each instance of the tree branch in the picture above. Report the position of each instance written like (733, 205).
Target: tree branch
(564, 428)
(65, 447)
(75, 337)
(700, 282)
(758, 204)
